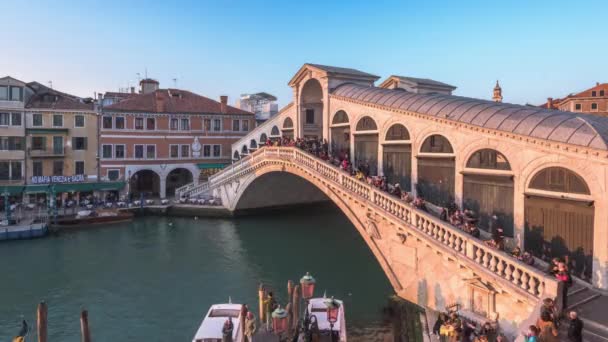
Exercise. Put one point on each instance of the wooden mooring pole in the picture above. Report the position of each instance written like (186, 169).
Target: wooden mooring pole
(261, 297)
(295, 307)
(84, 326)
(42, 322)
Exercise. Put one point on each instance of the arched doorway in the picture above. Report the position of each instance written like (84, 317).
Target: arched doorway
(288, 128)
(488, 189)
(559, 211)
(397, 157)
(436, 171)
(244, 150)
(178, 178)
(366, 146)
(145, 182)
(253, 144)
(340, 134)
(263, 139)
(311, 109)
(236, 155)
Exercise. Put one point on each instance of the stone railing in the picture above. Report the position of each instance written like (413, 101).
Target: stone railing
(484, 258)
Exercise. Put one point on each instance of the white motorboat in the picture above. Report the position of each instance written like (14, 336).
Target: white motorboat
(213, 323)
(318, 307)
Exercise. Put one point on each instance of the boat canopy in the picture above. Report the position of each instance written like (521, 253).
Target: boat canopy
(212, 325)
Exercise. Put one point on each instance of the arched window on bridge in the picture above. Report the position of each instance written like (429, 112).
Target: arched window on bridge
(263, 139)
(366, 146)
(436, 171)
(274, 132)
(244, 150)
(559, 211)
(253, 144)
(236, 155)
(488, 189)
(288, 128)
(397, 156)
(340, 134)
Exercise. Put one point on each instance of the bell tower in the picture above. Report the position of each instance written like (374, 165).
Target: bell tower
(497, 97)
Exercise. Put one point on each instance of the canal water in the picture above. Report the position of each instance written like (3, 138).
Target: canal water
(153, 279)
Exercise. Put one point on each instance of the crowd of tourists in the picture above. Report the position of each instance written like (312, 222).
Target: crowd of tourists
(547, 326)
(451, 327)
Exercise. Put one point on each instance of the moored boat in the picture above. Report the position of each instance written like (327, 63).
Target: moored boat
(89, 217)
(317, 307)
(23, 231)
(211, 329)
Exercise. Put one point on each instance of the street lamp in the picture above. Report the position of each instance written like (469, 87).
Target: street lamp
(279, 321)
(307, 284)
(333, 308)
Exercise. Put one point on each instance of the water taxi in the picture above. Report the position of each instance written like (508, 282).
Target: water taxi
(88, 217)
(213, 323)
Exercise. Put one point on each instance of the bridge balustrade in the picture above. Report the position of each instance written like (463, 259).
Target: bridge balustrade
(498, 263)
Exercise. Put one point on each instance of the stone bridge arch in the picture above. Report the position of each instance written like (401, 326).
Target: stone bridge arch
(418, 269)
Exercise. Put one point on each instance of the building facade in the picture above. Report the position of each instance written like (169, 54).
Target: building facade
(263, 105)
(161, 139)
(12, 142)
(591, 101)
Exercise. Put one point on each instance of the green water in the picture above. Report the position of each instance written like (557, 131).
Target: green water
(151, 281)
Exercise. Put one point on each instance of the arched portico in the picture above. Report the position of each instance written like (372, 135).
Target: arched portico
(340, 133)
(288, 128)
(560, 214)
(366, 146)
(436, 170)
(488, 189)
(311, 109)
(397, 156)
(178, 177)
(146, 182)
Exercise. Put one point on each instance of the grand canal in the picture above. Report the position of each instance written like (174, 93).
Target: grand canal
(153, 279)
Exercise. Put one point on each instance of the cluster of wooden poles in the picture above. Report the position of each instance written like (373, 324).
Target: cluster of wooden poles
(292, 308)
(42, 320)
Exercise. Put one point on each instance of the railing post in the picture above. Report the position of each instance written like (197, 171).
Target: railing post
(470, 249)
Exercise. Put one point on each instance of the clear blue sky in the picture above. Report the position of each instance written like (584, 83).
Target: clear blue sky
(535, 48)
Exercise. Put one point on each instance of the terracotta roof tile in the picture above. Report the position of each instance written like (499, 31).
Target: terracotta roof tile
(172, 101)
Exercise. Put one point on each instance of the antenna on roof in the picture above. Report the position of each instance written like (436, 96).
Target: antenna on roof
(175, 83)
(146, 72)
(51, 84)
(138, 77)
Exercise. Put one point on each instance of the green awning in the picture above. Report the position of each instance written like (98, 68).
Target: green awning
(82, 187)
(203, 166)
(73, 187)
(33, 189)
(46, 130)
(11, 189)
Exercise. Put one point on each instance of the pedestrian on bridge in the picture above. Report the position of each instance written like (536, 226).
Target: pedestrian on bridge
(575, 329)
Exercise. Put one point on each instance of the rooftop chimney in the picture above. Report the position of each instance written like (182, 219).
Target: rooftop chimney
(148, 85)
(550, 102)
(224, 103)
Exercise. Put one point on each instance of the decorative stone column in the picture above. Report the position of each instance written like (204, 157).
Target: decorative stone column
(163, 187)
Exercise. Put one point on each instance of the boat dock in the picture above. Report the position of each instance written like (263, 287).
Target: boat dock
(28, 229)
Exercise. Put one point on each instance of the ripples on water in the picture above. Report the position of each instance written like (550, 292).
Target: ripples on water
(147, 280)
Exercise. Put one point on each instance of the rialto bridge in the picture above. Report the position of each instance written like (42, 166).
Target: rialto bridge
(541, 174)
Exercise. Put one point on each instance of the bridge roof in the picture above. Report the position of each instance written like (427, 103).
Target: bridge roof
(565, 127)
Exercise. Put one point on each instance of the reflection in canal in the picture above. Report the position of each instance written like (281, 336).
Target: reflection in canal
(153, 279)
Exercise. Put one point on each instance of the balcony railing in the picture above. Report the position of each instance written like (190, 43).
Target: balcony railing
(47, 153)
